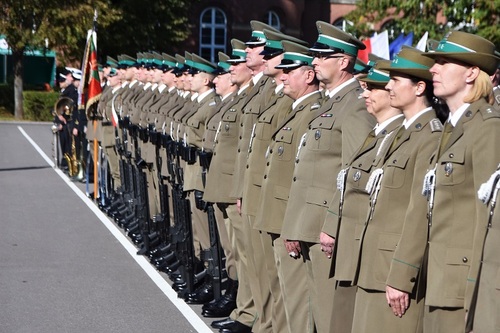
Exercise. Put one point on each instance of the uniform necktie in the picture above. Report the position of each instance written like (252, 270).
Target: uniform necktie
(397, 137)
(369, 139)
(445, 137)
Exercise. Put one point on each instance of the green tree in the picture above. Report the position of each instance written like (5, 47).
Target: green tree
(476, 16)
(29, 23)
(124, 26)
(160, 25)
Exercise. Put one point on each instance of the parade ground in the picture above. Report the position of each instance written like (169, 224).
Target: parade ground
(64, 265)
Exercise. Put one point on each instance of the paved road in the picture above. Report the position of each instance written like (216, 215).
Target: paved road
(64, 266)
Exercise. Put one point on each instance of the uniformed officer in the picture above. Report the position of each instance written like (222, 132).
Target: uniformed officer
(287, 277)
(465, 158)
(108, 127)
(226, 90)
(390, 242)
(347, 213)
(194, 121)
(271, 113)
(338, 129)
(485, 302)
(218, 189)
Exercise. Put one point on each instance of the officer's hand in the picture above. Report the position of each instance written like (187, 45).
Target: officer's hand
(293, 248)
(75, 132)
(238, 205)
(398, 300)
(327, 243)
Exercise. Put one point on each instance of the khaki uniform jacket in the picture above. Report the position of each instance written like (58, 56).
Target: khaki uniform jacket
(338, 129)
(195, 126)
(487, 302)
(108, 130)
(456, 232)
(212, 124)
(274, 112)
(280, 162)
(252, 108)
(392, 243)
(346, 225)
(94, 127)
(220, 176)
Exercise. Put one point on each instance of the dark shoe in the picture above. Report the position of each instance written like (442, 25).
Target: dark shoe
(223, 323)
(222, 308)
(203, 294)
(237, 327)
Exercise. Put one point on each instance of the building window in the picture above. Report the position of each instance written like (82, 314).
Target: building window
(273, 20)
(213, 31)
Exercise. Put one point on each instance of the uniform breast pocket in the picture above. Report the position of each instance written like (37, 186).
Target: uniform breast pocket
(452, 168)
(358, 176)
(194, 123)
(264, 128)
(456, 271)
(395, 170)
(284, 145)
(228, 126)
(252, 109)
(321, 132)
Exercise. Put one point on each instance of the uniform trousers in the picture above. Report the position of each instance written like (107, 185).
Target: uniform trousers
(259, 281)
(114, 165)
(321, 286)
(343, 306)
(373, 314)
(152, 188)
(444, 320)
(245, 312)
(294, 286)
(221, 219)
(279, 323)
(487, 313)
(201, 235)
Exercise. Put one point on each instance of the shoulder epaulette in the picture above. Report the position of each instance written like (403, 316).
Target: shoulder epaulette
(436, 125)
(489, 111)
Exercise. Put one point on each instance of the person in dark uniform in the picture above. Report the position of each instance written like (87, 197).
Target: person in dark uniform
(64, 119)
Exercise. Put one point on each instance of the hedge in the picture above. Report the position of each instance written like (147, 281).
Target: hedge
(38, 105)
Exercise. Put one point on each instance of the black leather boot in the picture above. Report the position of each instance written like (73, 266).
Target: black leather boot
(225, 305)
(203, 294)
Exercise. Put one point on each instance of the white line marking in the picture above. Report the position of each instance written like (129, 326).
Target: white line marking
(185, 309)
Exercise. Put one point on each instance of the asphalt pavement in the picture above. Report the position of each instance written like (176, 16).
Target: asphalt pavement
(64, 265)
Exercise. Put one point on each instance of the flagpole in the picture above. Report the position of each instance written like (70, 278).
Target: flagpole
(96, 145)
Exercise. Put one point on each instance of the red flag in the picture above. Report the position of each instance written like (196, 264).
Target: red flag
(94, 84)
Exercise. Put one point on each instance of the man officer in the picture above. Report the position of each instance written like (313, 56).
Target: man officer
(339, 127)
(287, 278)
(271, 317)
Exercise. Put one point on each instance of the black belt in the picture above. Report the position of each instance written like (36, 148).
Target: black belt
(107, 123)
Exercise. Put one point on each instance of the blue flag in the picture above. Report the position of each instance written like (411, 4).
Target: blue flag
(401, 40)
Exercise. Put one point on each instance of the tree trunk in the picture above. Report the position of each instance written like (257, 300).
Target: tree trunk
(17, 58)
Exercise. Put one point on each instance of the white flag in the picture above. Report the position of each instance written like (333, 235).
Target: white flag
(422, 43)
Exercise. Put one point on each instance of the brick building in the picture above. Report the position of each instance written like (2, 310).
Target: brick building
(215, 22)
